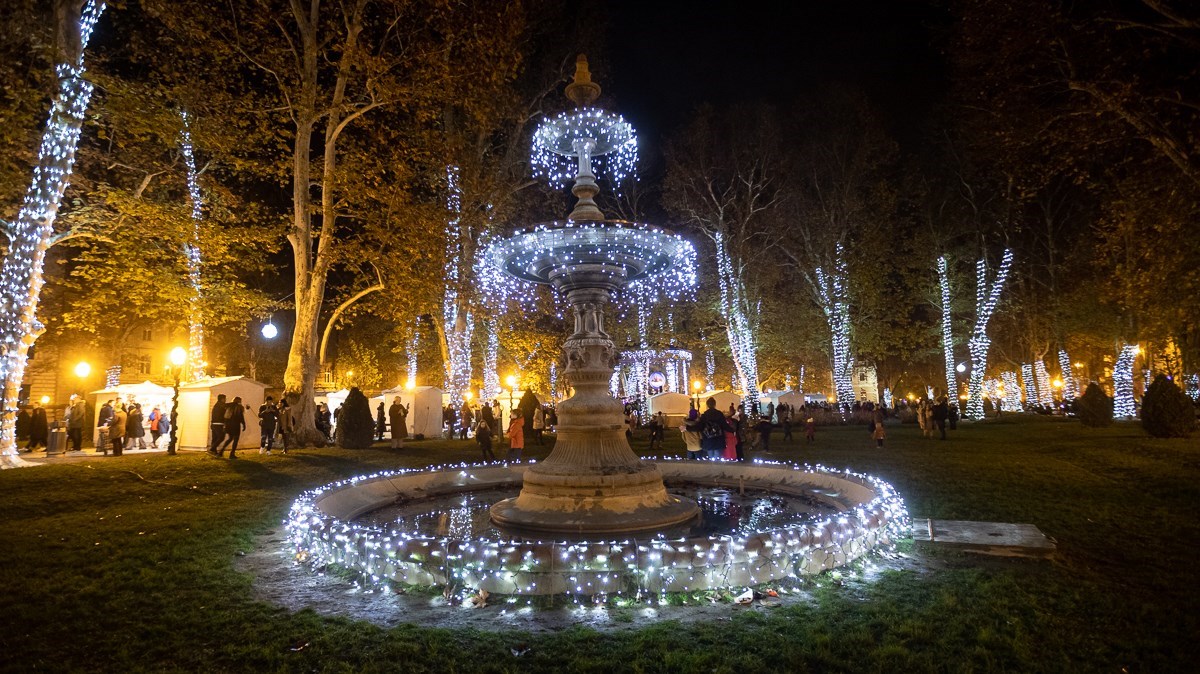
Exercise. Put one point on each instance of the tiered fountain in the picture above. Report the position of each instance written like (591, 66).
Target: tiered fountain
(592, 483)
(593, 518)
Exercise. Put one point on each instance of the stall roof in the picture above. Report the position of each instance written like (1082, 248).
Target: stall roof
(146, 387)
(212, 382)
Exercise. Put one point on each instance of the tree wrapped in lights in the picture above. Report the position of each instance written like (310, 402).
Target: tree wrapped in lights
(1123, 403)
(1028, 384)
(1011, 400)
(1069, 389)
(835, 303)
(986, 296)
(30, 234)
(458, 324)
(947, 335)
(1045, 393)
(195, 362)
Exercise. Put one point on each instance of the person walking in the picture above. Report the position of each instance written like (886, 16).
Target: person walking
(785, 420)
(953, 418)
(268, 420)
(655, 428)
(23, 422)
(135, 432)
(466, 419)
(399, 419)
(764, 428)
(235, 423)
(116, 429)
(76, 414)
(217, 424)
(516, 437)
(39, 428)
(380, 422)
(941, 411)
(810, 430)
(286, 423)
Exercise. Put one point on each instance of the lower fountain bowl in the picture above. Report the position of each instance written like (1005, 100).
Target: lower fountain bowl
(866, 514)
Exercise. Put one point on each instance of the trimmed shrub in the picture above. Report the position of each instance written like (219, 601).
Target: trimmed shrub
(356, 426)
(1167, 412)
(1094, 408)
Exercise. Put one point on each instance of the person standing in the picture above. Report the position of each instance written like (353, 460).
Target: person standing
(76, 414)
(879, 433)
(23, 422)
(235, 423)
(324, 421)
(483, 435)
(116, 429)
(785, 419)
(466, 418)
(810, 430)
(399, 419)
(380, 422)
(155, 419)
(497, 415)
(539, 424)
(39, 428)
(135, 432)
(286, 423)
(268, 420)
(516, 437)
(712, 430)
(941, 411)
(953, 418)
(102, 418)
(764, 429)
(217, 424)
(487, 416)
(655, 425)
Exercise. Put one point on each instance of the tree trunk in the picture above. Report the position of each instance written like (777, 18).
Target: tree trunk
(21, 273)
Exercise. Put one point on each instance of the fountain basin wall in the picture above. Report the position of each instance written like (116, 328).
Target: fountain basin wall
(322, 531)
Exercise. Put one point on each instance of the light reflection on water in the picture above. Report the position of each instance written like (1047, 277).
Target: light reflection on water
(722, 512)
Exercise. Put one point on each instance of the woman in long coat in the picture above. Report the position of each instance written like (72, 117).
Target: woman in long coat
(134, 431)
(516, 437)
(398, 415)
(116, 429)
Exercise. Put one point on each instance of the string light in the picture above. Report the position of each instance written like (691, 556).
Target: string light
(595, 133)
(947, 335)
(1069, 389)
(835, 304)
(196, 362)
(458, 324)
(873, 519)
(491, 356)
(739, 327)
(985, 304)
(1029, 385)
(1123, 403)
(1045, 394)
(1012, 392)
(1193, 387)
(710, 370)
(31, 232)
(887, 398)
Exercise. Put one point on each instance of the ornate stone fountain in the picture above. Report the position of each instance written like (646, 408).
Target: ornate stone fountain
(592, 483)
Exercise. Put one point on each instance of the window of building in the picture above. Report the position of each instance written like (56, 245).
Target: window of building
(147, 334)
(143, 364)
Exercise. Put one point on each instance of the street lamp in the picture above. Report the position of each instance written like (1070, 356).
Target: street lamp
(696, 385)
(178, 357)
(410, 385)
(269, 330)
(83, 369)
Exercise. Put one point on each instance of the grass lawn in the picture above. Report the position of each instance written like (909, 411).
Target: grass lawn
(106, 571)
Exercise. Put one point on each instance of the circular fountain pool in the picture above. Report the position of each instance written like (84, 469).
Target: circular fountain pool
(412, 527)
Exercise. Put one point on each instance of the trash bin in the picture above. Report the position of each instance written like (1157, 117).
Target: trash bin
(57, 442)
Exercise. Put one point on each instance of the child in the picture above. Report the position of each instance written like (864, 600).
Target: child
(810, 429)
(483, 435)
(516, 438)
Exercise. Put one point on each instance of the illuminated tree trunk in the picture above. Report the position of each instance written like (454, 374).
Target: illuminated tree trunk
(1123, 403)
(196, 364)
(1070, 390)
(32, 232)
(835, 303)
(457, 320)
(739, 327)
(491, 354)
(985, 303)
(947, 334)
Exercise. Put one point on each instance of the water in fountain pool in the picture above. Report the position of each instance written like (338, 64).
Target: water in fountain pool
(723, 511)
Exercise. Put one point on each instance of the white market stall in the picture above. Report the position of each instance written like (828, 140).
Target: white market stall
(148, 394)
(793, 400)
(196, 400)
(674, 405)
(424, 409)
(723, 399)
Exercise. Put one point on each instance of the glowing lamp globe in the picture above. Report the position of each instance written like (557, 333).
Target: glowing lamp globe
(178, 356)
(45, 400)
(961, 368)
(83, 369)
(269, 331)
(511, 381)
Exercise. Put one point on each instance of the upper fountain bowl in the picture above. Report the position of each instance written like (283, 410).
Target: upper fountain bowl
(610, 253)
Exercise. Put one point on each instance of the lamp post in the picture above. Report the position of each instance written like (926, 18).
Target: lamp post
(178, 358)
(696, 393)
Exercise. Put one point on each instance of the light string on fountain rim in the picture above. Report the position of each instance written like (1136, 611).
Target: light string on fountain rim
(382, 553)
(553, 148)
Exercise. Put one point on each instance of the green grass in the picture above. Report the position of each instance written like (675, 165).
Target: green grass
(104, 571)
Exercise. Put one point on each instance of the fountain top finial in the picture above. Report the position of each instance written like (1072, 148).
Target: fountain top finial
(582, 91)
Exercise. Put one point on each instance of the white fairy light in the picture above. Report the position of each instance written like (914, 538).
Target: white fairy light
(457, 324)
(559, 141)
(887, 398)
(835, 303)
(491, 357)
(739, 326)
(1069, 389)
(1012, 392)
(31, 232)
(947, 335)
(413, 348)
(1193, 387)
(1045, 393)
(1123, 403)
(986, 297)
(1028, 384)
(196, 362)
(710, 370)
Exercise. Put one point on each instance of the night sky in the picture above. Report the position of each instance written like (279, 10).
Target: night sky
(668, 57)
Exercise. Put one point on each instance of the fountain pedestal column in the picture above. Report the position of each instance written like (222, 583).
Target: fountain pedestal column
(592, 482)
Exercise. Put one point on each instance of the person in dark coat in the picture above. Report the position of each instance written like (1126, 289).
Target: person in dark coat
(235, 423)
(268, 420)
(764, 429)
(116, 429)
(23, 421)
(941, 412)
(217, 424)
(286, 423)
(380, 422)
(483, 435)
(135, 432)
(398, 415)
(39, 428)
(713, 428)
